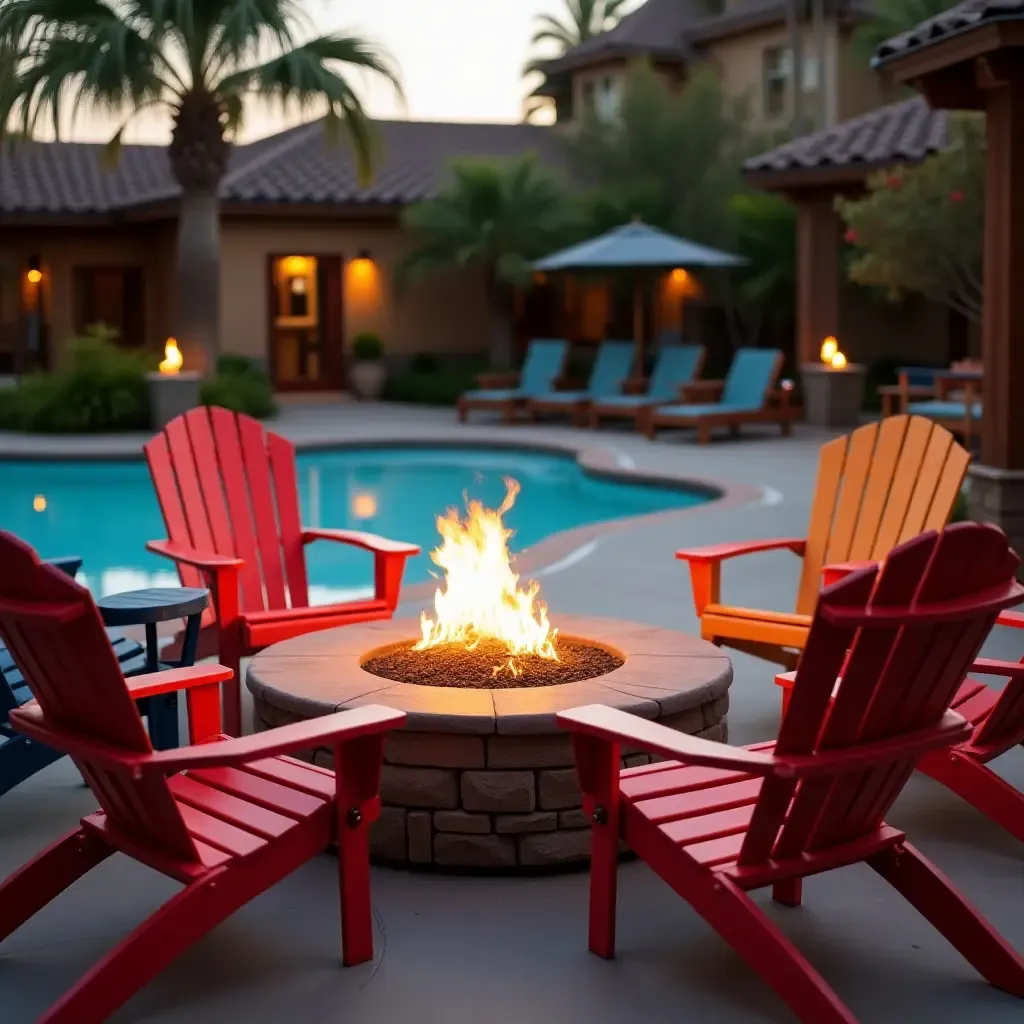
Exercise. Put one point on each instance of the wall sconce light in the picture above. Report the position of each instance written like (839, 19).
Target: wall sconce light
(34, 275)
(364, 254)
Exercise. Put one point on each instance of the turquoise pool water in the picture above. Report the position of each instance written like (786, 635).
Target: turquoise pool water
(106, 511)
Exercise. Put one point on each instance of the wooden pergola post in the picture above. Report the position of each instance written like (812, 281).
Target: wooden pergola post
(818, 280)
(979, 65)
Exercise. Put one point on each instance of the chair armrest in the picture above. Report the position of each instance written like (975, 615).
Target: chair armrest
(701, 390)
(172, 679)
(326, 731)
(492, 381)
(206, 560)
(617, 726)
(840, 570)
(635, 386)
(995, 667)
(721, 552)
(358, 539)
(1009, 618)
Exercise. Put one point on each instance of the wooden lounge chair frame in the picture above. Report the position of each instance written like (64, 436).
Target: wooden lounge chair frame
(498, 381)
(716, 822)
(776, 407)
(227, 818)
(876, 487)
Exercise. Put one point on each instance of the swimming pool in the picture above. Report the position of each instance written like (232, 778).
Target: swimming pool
(106, 511)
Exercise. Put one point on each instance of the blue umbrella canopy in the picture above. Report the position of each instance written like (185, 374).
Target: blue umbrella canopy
(636, 245)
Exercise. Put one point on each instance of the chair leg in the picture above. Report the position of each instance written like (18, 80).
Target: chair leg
(743, 924)
(935, 897)
(980, 787)
(703, 432)
(604, 884)
(790, 892)
(230, 656)
(155, 944)
(47, 875)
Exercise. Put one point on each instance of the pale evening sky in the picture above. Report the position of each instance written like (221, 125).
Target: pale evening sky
(460, 60)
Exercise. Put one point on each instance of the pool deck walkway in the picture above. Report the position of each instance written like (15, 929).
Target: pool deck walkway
(454, 950)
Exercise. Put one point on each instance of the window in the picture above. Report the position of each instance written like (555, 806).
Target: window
(589, 93)
(776, 65)
(609, 96)
(112, 296)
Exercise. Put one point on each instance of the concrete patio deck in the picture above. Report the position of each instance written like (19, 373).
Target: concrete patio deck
(457, 950)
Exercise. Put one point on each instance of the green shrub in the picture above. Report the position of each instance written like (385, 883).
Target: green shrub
(959, 513)
(240, 385)
(367, 346)
(434, 387)
(424, 362)
(102, 389)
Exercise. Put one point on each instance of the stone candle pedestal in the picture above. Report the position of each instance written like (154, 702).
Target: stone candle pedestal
(833, 397)
(170, 395)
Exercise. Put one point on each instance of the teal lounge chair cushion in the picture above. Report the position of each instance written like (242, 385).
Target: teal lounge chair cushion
(612, 368)
(544, 360)
(562, 397)
(940, 409)
(684, 411)
(628, 401)
(749, 378)
(495, 394)
(676, 365)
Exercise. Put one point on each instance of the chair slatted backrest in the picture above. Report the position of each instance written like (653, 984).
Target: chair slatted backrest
(543, 366)
(53, 630)
(751, 377)
(675, 366)
(941, 594)
(877, 487)
(228, 487)
(612, 368)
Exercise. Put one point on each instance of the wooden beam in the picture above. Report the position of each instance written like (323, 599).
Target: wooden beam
(818, 282)
(1003, 316)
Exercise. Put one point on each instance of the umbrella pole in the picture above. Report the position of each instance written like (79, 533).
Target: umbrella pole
(638, 322)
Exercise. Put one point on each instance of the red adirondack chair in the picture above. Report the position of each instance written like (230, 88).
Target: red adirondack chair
(997, 720)
(241, 819)
(719, 821)
(229, 495)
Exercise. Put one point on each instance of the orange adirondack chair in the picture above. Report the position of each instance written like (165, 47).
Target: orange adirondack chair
(997, 721)
(229, 495)
(228, 818)
(719, 821)
(876, 487)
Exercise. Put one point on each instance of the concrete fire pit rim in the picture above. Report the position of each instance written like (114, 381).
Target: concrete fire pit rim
(665, 672)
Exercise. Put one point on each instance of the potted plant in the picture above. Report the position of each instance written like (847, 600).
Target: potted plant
(368, 372)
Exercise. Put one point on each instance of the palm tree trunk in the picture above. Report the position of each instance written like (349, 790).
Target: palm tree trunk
(197, 274)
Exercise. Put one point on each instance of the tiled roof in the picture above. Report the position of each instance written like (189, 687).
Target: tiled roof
(957, 19)
(907, 131)
(743, 18)
(655, 30)
(294, 166)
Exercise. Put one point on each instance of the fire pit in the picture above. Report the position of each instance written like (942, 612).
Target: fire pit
(482, 777)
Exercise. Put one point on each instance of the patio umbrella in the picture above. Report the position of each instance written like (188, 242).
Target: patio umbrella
(636, 246)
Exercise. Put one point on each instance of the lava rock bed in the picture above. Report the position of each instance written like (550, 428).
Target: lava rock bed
(455, 665)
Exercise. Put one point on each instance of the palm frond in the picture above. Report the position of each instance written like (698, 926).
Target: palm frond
(307, 78)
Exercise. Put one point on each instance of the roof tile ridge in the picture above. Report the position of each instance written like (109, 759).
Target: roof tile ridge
(295, 137)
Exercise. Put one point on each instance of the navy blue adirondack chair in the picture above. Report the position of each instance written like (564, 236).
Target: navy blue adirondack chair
(21, 758)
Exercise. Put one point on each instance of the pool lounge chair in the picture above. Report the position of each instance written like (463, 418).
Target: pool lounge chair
(509, 391)
(676, 366)
(745, 396)
(611, 370)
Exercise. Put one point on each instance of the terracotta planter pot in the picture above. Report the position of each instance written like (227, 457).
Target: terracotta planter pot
(368, 378)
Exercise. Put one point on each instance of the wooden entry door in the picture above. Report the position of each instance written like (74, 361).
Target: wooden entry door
(306, 328)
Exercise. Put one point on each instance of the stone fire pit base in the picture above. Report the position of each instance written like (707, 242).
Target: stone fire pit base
(484, 779)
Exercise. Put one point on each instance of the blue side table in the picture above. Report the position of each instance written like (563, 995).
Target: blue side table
(148, 608)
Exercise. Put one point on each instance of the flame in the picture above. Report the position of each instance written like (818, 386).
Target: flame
(481, 598)
(838, 360)
(829, 348)
(172, 361)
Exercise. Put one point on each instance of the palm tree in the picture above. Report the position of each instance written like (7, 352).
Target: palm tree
(205, 61)
(891, 17)
(495, 216)
(582, 20)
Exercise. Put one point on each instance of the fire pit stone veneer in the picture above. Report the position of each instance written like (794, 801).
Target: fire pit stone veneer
(484, 778)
